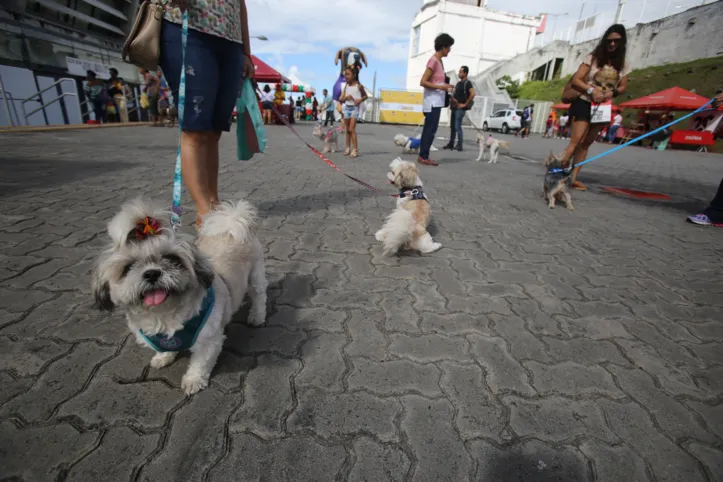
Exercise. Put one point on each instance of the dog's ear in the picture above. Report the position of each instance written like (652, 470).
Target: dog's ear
(407, 176)
(339, 56)
(204, 272)
(101, 293)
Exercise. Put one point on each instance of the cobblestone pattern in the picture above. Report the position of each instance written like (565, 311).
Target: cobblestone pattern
(536, 345)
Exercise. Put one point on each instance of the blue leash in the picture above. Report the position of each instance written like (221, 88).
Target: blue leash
(176, 210)
(637, 139)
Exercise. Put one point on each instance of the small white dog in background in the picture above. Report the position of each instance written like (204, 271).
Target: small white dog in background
(409, 145)
(329, 136)
(179, 295)
(406, 227)
(491, 145)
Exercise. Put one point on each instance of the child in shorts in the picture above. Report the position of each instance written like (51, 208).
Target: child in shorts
(352, 95)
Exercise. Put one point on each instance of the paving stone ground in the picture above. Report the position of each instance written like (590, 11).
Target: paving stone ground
(537, 345)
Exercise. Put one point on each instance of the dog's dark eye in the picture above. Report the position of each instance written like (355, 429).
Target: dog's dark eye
(175, 260)
(126, 270)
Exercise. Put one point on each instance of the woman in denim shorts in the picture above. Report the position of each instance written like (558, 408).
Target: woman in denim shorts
(218, 58)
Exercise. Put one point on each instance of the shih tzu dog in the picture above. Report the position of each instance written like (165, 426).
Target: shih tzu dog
(177, 294)
(556, 184)
(329, 136)
(406, 227)
(409, 145)
(492, 146)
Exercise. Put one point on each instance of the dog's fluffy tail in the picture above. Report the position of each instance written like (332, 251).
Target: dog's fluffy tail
(237, 220)
(399, 229)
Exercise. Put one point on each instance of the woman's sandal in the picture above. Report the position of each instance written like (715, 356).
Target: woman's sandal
(347, 151)
(579, 186)
(354, 153)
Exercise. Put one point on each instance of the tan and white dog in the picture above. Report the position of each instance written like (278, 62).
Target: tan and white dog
(491, 145)
(406, 226)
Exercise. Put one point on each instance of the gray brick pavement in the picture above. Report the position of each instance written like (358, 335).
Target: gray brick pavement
(536, 345)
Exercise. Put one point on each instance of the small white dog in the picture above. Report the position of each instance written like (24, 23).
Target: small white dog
(179, 295)
(409, 145)
(330, 137)
(406, 227)
(491, 145)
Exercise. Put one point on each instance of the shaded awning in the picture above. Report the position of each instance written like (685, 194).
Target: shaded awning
(674, 98)
(263, 73)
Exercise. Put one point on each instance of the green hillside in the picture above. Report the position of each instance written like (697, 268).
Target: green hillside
(704, 75)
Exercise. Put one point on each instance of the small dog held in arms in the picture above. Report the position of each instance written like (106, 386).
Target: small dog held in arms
(556, 183)
(177, 294)
(406, 227)
(329, 136)
(491, 145)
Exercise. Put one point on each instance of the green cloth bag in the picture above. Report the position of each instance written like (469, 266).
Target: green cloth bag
(250, 132)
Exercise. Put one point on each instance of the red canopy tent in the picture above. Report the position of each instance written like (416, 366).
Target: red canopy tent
(674, 98)
(264, 74)
(562, 106)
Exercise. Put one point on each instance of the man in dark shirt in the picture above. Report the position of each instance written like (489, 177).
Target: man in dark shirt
(460, 103)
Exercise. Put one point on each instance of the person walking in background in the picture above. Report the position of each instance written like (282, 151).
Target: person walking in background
(217, 59)
(526, 121)
(152, 88)
(549, 124)
(97, 96)
(267, 102)
(328, 107)
(613, 129)
(118, 90)
(315, 108)
(352, 96)
(436, 85)
(602, 76)
(713, 214)
(564, 121)
(460, 103)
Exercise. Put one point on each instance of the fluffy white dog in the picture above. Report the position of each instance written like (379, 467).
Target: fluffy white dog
(179, 295)
(491, 145)
(409, 145)
(406, 227)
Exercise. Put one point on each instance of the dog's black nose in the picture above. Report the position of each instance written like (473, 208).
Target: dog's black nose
(152, 275)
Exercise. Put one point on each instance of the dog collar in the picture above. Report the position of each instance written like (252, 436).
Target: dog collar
(184, 338)
(415, 194)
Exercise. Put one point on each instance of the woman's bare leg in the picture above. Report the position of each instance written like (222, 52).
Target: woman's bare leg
(194, 162)
(212, 168)
(352, 130)
(582, 152)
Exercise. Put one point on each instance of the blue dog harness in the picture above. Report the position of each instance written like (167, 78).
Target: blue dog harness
(184, 338)
(416, 194)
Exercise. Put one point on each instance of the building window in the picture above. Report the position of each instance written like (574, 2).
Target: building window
(416, 31)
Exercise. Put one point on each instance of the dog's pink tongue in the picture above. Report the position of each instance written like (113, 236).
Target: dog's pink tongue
(155, 298)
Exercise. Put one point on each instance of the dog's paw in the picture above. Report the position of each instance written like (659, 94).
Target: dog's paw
(551, 206)
(256, 318)
(380, 235)
(191, 384)
(434, 247)
(570, 207)
(161, 360)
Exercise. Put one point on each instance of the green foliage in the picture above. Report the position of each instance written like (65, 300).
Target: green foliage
(511, 86)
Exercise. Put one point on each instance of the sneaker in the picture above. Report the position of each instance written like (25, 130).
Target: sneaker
(427, 162)
(702, 220)
(448, 147)
(458, 148)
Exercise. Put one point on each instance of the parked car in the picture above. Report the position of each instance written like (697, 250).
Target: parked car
(504, 120)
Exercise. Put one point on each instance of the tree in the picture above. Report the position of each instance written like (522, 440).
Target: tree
(511, 86)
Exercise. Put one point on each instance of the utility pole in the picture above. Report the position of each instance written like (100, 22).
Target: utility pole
(374, 97)
(619, 13)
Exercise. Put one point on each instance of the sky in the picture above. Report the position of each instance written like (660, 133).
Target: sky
(304, 35)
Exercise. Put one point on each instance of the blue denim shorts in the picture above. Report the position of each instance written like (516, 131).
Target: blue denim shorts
(350, 112)
(214, 70)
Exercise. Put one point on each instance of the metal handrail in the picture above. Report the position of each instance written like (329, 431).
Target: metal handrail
(43, 105)
(5, 99)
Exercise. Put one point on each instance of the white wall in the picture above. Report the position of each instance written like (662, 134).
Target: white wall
(482, 37)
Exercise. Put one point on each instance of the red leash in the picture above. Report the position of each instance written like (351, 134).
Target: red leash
(322, 156)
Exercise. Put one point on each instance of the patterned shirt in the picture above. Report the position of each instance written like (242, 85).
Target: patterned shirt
(221, 18)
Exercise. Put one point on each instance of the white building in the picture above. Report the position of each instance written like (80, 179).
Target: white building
(482, 37)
